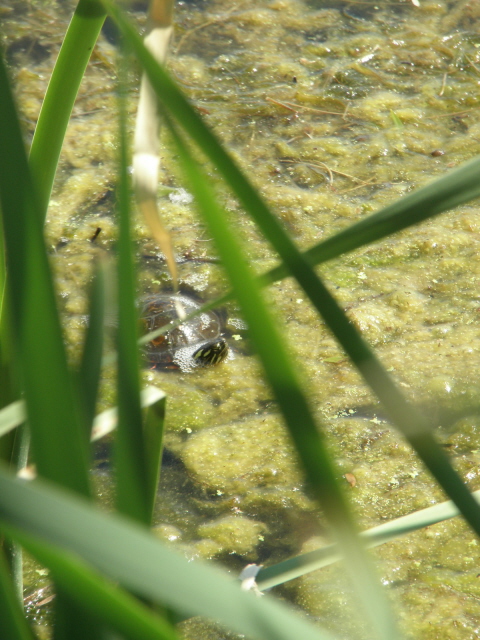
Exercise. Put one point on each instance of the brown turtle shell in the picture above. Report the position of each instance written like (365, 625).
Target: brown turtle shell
(194, 343)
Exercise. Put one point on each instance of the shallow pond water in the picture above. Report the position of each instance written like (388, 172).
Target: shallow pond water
(334, 110)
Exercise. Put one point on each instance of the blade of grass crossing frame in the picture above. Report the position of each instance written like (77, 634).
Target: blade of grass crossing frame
(103, 600)
(61, 93)
(317, 464)
(414, 427)
(129, 453)
(21, 451)
(53, 417)
(133, 557)
(91, 362)
(376, 376)
(13, 625)
(153, 429)
(292, 568)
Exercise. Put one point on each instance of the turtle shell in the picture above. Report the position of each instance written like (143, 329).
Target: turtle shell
(194, 343)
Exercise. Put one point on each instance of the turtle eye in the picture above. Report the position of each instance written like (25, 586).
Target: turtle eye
(211, 353)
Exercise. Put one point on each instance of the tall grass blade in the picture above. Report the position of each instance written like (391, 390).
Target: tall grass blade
(13, 625)
(21, 451)
(129, 454)
(131, 556)
(319, 470)
(91, 362)
(59, 99)
(153, 430)
(52, 411)
(292, 568)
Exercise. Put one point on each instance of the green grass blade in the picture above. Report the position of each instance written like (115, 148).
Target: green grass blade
(129, 454)
(133, 557)
(52, 412)
(91, 363)
(153, 430)
(62, 91)
(72, 620)
(109, 604)
(319, 470)
(13, 625)
(415, 428)
(21, 450)
(292, 568)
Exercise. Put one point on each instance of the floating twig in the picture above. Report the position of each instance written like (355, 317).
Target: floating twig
(291, 106)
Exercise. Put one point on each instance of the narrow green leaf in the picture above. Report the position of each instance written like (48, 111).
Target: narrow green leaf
(21, 452)
(91, 363)
(52, 412)
(131, 470)
(72, 620)
(292, 568)
(62, 91)
(132, 556)
(153, 429)
(13, 625)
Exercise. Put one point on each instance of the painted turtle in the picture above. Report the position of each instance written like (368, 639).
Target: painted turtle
(197, 342)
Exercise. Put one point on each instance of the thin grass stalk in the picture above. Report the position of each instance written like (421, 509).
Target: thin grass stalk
(91, 362)
(12, 620)
(297, 566)
(153, 432)
(20, 457)
(304, 431)
(59, 99)
(52, 410)
(130, 452)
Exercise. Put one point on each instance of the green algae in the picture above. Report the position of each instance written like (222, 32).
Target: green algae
(265, 77)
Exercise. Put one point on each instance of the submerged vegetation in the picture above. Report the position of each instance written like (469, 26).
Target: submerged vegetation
(339, 115)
